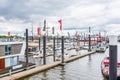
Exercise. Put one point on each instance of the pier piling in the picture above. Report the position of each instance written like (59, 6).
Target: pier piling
(89, 41)
(62, 48)
(44, 43)
(113, 58)
(39, 43)
(53, 44)
(26, 53)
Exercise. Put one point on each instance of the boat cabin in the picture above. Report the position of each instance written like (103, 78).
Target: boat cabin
(9, 54)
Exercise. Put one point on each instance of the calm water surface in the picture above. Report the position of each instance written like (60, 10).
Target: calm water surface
(87, 68)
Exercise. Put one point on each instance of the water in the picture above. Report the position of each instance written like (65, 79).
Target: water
(39, 61)
(87, 68)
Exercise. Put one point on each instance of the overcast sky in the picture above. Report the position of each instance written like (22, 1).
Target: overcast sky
(101, 15)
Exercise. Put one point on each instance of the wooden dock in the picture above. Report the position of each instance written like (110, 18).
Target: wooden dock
(42, 68)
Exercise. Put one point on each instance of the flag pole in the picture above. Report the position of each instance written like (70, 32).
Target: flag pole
(62, 45)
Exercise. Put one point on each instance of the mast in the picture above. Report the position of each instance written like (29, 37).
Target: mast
(32, 31)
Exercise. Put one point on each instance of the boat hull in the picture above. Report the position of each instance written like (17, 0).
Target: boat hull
(105, 69)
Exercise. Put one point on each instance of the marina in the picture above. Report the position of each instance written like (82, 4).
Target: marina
(38, 58)
(59, 40)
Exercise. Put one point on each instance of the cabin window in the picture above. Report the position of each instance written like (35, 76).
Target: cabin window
(8, 49)
(11, 61)
(106, 65)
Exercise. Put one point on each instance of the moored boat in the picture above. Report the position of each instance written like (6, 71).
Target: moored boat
(105, 68)
(101, 47)
(38, 54)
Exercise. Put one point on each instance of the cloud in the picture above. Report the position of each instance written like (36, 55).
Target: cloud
(99, 14)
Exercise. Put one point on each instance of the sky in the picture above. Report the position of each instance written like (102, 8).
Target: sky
(76, 15)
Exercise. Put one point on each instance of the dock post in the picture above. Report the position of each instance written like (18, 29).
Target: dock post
(62, 45)
(57, 39)
(113, 58)
(84, 39)
(26, 53)
(54, 48)
(39, 43)
(89, 41)
(97, 39)
(32, 33)
(62, 49)
(44, 49)
(94, 38)
(53, 43)
(44, 43)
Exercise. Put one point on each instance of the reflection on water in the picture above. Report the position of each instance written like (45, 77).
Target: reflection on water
(87, 68)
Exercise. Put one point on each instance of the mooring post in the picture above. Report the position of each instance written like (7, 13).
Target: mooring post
(53, 44)
(44, 43)
(57, 39)
(26, 53)
(62, 49)
(54, 48)
(32, 32)
(94, 39)
(89, 41)
(84, 39)
(62, 45)
(39, 43)
(113, 57)
(44, 49)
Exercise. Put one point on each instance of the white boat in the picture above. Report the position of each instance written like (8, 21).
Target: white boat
(70, 46)
(49, 51)
(38, 54)
(59, 55)
(101, 47)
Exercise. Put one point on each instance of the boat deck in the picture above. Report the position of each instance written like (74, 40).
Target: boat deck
(6, 71)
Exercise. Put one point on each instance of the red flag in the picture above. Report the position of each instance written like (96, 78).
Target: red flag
(60, 21)
(8, 34)
(38, 30)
